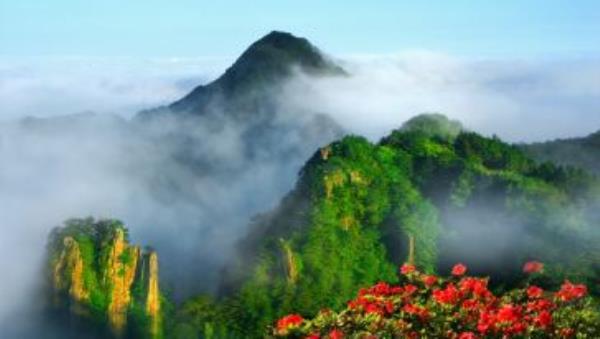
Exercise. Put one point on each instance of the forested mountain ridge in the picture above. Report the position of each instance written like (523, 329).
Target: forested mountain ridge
(433, 199)
(583, 152)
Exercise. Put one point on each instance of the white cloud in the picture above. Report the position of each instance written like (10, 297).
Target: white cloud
(56, 86)
(517, 100)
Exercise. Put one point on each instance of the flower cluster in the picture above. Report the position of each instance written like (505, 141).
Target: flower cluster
(533, 267)
(460, 307)
(288, 323)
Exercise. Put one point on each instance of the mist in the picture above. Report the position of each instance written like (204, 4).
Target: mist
(186, 186)
(51, 86)
(518, 100)
(189, 186)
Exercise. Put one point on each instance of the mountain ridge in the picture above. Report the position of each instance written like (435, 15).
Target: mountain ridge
(423, 195)
(582, 152)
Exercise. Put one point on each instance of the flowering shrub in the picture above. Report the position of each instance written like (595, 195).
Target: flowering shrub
(459, 307)
(533, 267)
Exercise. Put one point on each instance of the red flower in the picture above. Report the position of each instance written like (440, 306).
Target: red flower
(540, 305)
(544, 319)
(469, 304)
(508, 313)
(373, 308)
(336, 334)
(289, 321)
(476, 286)
(569, 291)
(396, 290)
(534, 292)
(410, 309)
(381, 289)
(407, 269)
(516, 328)
(449, 295)
(313, 336)
(420, 311)
(409, 289)
(459, 269)
(486, 322)
(389, 307)
(429, 280)
(467, 335)
(533, 267)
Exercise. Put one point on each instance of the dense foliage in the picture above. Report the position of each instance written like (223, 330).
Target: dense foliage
(429, 198)
(463, 307)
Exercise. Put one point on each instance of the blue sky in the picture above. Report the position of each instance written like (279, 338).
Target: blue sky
(191, 28)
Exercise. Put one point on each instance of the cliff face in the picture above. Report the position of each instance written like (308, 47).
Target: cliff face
(153, 295)
(68, 274)
(97, 275)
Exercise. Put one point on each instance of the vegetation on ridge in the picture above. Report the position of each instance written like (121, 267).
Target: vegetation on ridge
(360, 208)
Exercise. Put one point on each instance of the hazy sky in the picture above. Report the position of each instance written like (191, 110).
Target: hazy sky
(218, 28)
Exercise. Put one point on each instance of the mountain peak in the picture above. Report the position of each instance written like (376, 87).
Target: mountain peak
(261, 67)
(281, 38)
(275, 53)
(434, 124)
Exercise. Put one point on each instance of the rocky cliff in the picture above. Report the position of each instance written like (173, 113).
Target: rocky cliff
(96, 275)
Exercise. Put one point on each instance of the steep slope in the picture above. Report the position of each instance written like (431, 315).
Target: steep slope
(420, 195)
(97, 276)
(578, 152)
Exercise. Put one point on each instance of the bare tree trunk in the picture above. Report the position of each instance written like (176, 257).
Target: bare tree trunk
(411, 249)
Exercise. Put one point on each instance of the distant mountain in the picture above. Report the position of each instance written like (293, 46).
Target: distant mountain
(581, 152)
(249, 99)
(250, 85)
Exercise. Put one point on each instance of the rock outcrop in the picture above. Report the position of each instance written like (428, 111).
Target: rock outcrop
(97, 275)
(153, 295)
